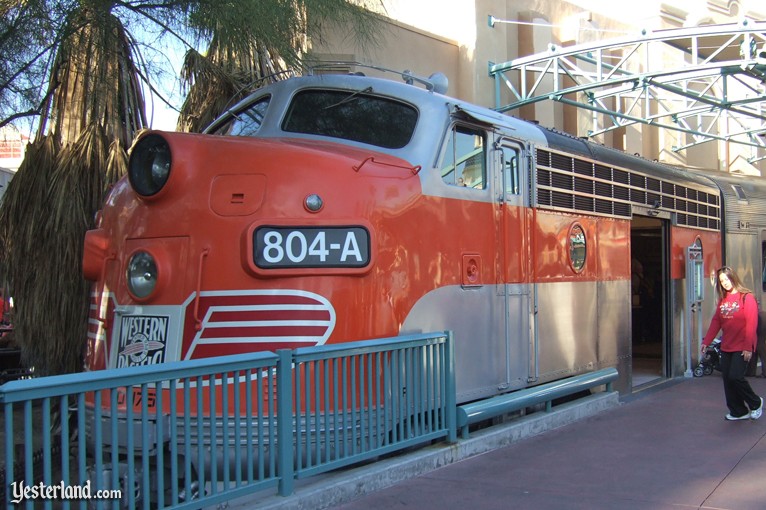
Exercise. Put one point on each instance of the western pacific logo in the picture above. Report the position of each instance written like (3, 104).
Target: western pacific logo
(143, 339)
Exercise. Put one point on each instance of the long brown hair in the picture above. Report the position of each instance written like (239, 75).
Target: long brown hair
(736, 283)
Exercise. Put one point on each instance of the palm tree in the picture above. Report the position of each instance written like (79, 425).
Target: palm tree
(235, 65)
(90, 111)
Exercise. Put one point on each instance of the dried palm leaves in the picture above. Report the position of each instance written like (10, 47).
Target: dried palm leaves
(94, 112)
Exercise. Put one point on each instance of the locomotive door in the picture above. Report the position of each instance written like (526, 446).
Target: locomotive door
(518, 290)
(650, 259)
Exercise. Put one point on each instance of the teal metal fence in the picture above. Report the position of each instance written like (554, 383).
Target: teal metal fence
(203, 432)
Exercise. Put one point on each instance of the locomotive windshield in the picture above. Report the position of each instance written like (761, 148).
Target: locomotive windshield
(246, 122)
(356, 116)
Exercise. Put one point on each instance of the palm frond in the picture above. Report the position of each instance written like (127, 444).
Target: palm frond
(94, 111)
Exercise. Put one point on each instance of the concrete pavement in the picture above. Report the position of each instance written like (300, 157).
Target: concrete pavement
(664, 448)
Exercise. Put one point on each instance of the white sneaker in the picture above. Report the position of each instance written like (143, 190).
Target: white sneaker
(756, 413)
(733, 418)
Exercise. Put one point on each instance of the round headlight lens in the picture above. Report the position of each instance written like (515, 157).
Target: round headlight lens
(149, 166)
(142, 274)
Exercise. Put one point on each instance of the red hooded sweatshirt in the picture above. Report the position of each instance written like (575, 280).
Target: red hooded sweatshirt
(737, 316)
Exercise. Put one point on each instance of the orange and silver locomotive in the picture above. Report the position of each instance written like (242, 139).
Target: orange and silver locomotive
(326, 209)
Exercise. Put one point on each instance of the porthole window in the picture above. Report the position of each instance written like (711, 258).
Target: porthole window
(577, 248)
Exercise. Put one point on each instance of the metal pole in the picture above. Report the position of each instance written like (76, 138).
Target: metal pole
(688, 311)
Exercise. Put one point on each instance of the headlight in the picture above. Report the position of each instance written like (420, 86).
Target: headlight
(149, 165)
(142, 274)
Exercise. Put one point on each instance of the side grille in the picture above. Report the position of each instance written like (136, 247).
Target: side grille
(573, 184)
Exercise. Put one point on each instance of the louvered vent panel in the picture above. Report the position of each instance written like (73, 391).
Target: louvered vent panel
(603, 189)
(621, 176)
(543, 177)
(574, 184)
(603, 206)
(562, 181)
(564, 200)
(638, 196)
(583, 167)
(543, 158)
(603, 172)
(621, 192)
(560, 162)
(622, 209)
(583, 185)
(544, 197)
(584, 203)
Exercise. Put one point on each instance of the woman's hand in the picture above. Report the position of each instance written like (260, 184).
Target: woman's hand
(747, 355)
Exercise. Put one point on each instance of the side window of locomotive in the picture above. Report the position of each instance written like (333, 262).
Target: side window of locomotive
(511, 170)
(352, 115)
(464, 162)
(246, 122)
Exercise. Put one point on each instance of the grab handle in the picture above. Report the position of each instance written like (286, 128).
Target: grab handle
(101, 277)
(197, 320)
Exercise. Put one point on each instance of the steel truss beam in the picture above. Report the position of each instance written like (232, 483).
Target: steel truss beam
(708, 82)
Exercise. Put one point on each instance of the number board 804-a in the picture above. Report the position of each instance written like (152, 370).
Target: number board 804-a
(295, 247)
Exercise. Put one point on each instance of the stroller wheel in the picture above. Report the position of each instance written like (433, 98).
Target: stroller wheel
(699, 372)
(708, 370)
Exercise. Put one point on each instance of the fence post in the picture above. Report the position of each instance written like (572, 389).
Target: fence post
(9, 451)
(451, 390)
(285, 446)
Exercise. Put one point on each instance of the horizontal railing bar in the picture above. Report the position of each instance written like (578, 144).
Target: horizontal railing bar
(367, 346)
(475, 412)
(83, 382)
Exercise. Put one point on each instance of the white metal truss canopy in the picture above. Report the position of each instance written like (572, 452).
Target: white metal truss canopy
(708, 82)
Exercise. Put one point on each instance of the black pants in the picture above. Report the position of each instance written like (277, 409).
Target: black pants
(740, 398)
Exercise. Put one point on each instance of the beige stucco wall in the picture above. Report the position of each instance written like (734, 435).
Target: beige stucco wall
(399, 47)
(454, 37)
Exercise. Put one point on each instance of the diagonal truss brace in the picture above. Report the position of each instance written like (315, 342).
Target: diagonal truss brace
(708, 82)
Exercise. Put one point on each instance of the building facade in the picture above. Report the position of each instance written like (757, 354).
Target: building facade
(462, 38)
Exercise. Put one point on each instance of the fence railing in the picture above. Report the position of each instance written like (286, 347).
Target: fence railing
(203, 432)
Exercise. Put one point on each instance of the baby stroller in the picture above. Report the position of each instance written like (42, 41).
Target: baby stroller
(710, 361)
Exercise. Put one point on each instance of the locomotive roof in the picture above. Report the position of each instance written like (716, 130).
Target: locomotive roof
(435, 111)
(618, 158)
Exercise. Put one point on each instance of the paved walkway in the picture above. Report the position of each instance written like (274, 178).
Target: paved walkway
(664, 448)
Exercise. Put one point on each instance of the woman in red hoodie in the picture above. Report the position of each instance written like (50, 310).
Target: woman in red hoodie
(737, 317)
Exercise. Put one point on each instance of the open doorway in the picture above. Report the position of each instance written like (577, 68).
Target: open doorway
(649, 300)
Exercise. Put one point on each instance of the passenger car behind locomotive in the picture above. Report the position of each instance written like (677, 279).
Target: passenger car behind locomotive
(326, 209)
